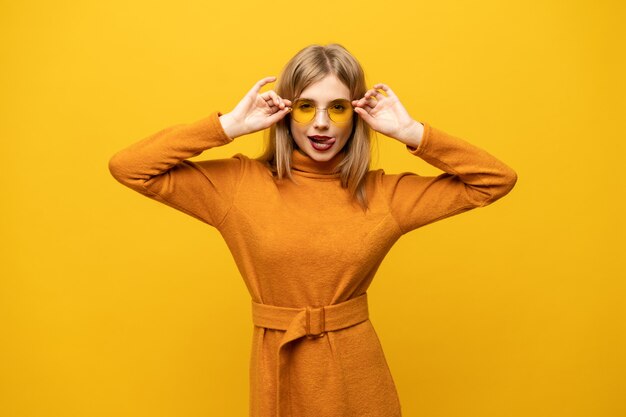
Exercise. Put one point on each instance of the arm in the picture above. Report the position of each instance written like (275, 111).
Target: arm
(157, 168)
(472, 178)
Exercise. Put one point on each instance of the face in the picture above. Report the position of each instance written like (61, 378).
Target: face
(321, 138)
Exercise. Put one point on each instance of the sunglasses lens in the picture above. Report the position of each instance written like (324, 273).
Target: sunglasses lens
(303, 111)
(339, 111)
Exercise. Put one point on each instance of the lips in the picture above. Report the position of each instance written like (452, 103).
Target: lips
(323, 139)
(321, 143)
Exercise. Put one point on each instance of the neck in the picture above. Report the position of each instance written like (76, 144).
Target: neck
(300, 161)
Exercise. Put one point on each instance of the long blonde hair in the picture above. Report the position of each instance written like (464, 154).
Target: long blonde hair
(308, 66)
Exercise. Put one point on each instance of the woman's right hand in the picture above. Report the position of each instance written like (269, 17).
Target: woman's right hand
(255, 111)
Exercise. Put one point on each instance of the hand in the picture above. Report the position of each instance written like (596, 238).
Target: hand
(255, 111)
(385, 114)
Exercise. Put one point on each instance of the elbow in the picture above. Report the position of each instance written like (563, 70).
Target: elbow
(483, 196)
(126, 173)
(116, 167)
(119, 169)
(509, 179)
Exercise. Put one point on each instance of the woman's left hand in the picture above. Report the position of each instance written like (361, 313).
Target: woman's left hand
(385, 114)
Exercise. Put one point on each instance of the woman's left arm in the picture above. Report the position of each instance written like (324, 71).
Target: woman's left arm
(472, 177)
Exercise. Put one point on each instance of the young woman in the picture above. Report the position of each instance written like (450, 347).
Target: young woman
(308, 223)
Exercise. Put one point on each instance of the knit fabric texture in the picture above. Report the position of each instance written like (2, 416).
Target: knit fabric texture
(307, 243)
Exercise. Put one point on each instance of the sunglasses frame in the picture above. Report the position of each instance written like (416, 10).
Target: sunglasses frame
(341, 100)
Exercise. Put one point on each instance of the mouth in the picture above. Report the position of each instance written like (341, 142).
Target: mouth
(321, 143)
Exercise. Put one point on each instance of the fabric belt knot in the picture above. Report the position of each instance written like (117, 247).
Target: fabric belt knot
(311, 322)
(318, 322)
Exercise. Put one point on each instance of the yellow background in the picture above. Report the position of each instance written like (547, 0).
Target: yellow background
(114, 305)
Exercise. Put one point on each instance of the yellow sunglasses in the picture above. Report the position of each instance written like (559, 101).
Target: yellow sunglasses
(304, 110)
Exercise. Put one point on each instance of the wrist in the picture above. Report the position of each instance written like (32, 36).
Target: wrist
(230, 126)
(413, 134)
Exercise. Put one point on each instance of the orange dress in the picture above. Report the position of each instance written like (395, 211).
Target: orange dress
(302, 246)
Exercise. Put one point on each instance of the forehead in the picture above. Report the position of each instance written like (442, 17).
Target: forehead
(327, 89)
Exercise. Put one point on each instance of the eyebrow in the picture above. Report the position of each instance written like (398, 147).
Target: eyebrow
(331, 101)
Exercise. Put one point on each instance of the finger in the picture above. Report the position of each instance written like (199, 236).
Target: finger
(370, 102)
(279, 115)
(386, 89)
(375, 94)
(269, 102)
(272, 99)
(366, 100)
(277, 100)
(373, 97)
(259, 84)
(364, 115)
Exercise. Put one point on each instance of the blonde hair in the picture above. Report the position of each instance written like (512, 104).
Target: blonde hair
(308, 66)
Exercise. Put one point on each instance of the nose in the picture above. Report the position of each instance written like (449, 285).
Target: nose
(321, 119)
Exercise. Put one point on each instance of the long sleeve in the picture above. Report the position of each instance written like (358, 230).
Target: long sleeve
(157, 168)
(472, 178)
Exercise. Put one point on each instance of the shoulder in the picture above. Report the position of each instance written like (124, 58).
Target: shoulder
(380, 176)
(230, 174)
(389, 184)
(238, 164)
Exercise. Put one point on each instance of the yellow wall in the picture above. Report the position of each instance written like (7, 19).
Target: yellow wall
(112, 304)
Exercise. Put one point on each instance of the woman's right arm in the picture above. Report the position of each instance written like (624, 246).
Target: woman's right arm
(157, 168)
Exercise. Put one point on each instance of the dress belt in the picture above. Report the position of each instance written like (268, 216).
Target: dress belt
(310, 321)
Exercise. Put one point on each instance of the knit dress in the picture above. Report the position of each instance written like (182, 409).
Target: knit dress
(306, 243)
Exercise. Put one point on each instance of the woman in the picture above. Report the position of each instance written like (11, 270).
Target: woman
(308, 223)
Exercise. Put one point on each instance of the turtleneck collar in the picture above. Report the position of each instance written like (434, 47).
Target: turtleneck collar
(303, 163)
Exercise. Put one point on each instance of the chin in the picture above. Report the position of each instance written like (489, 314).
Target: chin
(321, 156)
